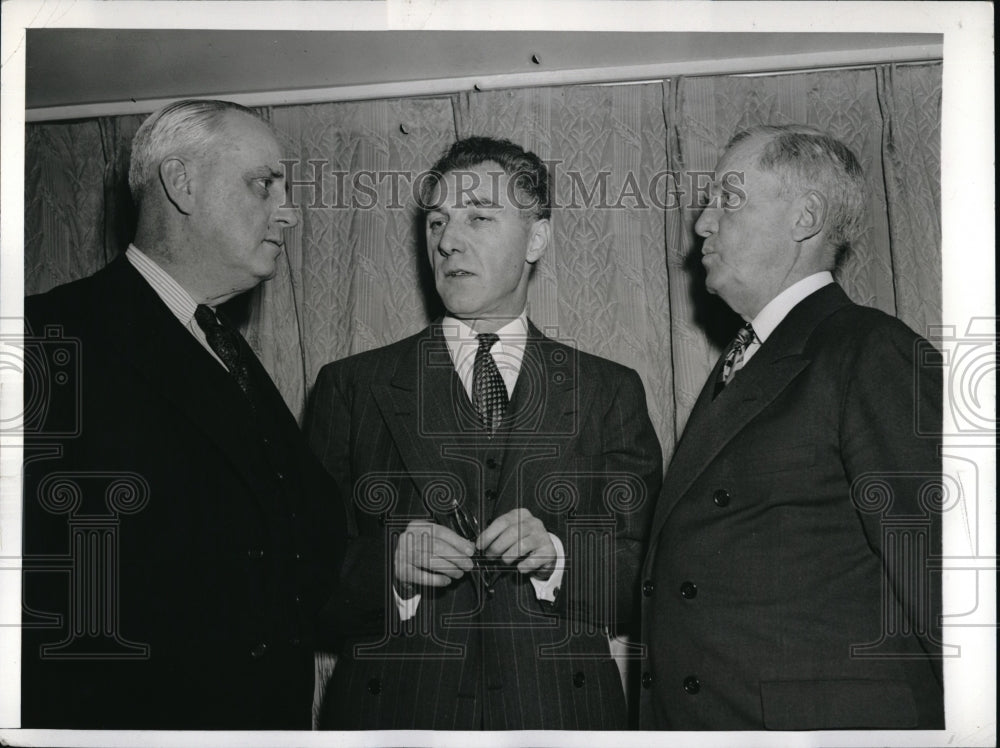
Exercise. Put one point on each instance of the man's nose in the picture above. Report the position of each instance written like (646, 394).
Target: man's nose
(707, 222)
(451, 240)
(287, 216)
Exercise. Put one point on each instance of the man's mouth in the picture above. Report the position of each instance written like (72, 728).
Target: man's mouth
(458, 274)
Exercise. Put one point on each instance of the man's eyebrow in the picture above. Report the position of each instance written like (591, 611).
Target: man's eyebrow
(483, 202)
(266, 171)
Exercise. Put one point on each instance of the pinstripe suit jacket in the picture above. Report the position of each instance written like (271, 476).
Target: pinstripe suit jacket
(576, 448)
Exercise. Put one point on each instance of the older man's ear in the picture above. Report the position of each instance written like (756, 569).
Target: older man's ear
(811, 216)
(176, 178)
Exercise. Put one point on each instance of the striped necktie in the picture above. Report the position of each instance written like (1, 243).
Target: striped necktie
(734, 356)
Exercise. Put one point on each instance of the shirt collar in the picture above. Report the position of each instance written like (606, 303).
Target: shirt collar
(179, 301)
(508, 351)
(777, 309)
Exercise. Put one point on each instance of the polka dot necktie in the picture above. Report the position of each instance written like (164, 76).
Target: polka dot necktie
(734, 356)
(226, 342)
(489, 393)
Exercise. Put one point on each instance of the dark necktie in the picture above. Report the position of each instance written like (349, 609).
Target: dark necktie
(228, 345)
(734, 356)
(489, 393)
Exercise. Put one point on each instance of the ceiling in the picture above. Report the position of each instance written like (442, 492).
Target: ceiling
(72, 67)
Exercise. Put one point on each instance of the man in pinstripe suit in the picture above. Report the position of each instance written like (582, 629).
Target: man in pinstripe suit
(501, 485)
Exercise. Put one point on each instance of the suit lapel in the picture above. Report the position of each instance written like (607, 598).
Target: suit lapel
(714, 422)
(150, 339)
(545, 400)
(424, 408)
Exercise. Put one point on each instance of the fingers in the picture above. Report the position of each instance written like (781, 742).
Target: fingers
(431, 555)
(518, 535)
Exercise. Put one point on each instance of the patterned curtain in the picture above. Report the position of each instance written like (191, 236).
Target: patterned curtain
(621, 278)
(602, 285)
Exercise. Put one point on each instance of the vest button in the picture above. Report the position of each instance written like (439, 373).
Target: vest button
(579, 679)
(491, 495)
(647, 680)
(689, 590)
(259, 651)
(491, 463)
(374, 686)
(692, 685)
(721, 497)
(647, 588)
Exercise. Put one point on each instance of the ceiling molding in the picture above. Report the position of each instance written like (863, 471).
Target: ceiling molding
(762, 65)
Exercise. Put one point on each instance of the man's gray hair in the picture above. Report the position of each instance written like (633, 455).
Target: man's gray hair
(808, 157)
(189, 125)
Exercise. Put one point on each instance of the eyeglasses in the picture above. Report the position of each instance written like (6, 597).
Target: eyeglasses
(467, 525)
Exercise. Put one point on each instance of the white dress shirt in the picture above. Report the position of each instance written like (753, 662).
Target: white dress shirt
(508, 353)
(768, 318)
(178, 301)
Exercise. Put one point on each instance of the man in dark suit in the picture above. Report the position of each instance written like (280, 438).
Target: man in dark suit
(787, 582)
(502, 481)
(179, 536)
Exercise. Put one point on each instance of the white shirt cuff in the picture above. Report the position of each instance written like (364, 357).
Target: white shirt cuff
(407, 608)
(546, 589)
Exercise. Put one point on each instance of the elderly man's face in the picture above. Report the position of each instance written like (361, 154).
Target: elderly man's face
(239, 218)
(480, 245)
(748, 252)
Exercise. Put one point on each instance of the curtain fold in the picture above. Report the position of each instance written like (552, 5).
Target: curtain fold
(622, 278)
(910, 102)
(602, 284)
(353, 279)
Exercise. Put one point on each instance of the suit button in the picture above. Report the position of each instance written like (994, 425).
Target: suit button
(579, 679)
(374, 686)
(647, 587)
(256, 553)
(647, 680)
(491, 463)
(692, 685)
(298, 556)
(294, 641)
(298, 600)
(491, 494)
(259, 651)
(279, 475)
(721, 497)
(689, 590)
(491, 592)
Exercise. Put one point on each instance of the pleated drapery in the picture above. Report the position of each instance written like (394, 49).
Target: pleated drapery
(621, 278)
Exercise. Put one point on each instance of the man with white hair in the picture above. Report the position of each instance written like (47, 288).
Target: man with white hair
(225, 534)
(788, 583)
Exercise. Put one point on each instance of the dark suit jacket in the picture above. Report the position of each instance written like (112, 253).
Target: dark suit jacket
(576, 448)
(184, 545)
(787, 578)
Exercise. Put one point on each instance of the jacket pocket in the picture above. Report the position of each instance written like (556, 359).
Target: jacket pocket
(846, 704)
